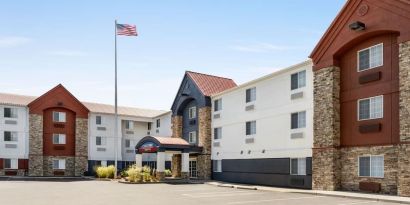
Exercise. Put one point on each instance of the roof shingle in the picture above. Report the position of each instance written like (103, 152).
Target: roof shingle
(210, 84)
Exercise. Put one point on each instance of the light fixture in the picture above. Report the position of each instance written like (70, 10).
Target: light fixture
(357, 26)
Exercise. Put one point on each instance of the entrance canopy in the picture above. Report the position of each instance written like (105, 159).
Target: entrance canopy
(151, 144)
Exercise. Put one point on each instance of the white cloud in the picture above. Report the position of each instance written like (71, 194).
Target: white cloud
(262, 48)
(68, 53)
(13, 41)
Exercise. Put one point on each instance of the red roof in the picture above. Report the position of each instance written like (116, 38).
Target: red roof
(171, 141)
(210, 84)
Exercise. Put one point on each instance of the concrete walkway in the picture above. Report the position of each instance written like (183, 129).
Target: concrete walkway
(377, 197)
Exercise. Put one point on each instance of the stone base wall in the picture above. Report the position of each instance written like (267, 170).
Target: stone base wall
(160, 175)
(350, 168)
(326, 169)
(19, 172)
(184, 175)
(176, 165)
(48, 166)
(403, 178)
(204, 166)
(35, 163)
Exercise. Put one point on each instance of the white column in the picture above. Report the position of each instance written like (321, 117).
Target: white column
(160, 161)
(185, 162)
(138, 160)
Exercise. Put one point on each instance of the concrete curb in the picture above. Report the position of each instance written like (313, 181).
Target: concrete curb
(374, 197)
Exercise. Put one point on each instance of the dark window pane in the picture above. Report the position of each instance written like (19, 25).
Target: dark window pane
(248, 95)
(364, 109)
(364, 166)
(98, 120)
(98, 141)
(294, 121)
(294, 81)
(364, 60)
(158, 123)
(149, 126)
(7, 163)
(7, 112)
(248, 128)
(7, 136)
(294, 166)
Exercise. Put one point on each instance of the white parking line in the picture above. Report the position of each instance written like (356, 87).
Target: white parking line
(359, 202)
(269, 200)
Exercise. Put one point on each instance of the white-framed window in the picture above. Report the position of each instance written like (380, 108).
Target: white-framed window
(10, 112)
(10, 163)
(192, 137)
(370, 108)
(298, 80)
(58, 163)
(298, 166)
(158, 123)
(127, 143)
(98, 120)
(100, 141)
(371, 166)
(250, 94)
(218, 105)
(10, 136)
(217, 165)
(217, 133)
(59, 116)
(129, 125)
(250, 127)
(104, 163)
(149, 125)
(192, 112)
(298, 120)
(369, 58)
(59, 139)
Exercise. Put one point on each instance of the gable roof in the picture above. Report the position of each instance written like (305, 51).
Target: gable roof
(210, 84)
(15, 100)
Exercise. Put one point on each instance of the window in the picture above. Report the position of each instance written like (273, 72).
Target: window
(103, 163)
(250, 95)
(218, 105)
(370, 108)
(127, 143)
(149, 126)
(298, 120)
(298, 166)
(158, 123)
(251, 128)
(218, 133)
(192, 137)
(58, 138)
(10, 112)
(100, 140)
(217, 165)
(98, 120)
(58, 116)
(371, 166)
(192, 112)
(10, 136)
(10, 164)
(298, 80)
(129, 125)
(58, 163)
(370, 57)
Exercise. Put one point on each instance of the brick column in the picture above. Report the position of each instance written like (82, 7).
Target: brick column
(403, 179)
(326, 142)
(35, 162)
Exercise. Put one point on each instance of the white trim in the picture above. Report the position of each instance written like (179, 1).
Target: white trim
(368, 48)
(369, 98)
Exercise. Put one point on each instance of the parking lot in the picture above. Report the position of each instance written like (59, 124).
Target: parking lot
(105, 192)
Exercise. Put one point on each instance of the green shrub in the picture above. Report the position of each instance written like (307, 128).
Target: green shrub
(105, 172)
(168, 173)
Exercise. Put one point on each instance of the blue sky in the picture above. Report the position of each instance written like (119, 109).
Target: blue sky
(43, 43)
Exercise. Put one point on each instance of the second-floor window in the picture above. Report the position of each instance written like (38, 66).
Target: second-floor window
(100, 141)
(250, 95)
(98, 120)
(192, 137)
(217, 105)
(127, 143)
(58, 138)
(192, 112)
(218, 133)
(298, 120)
(370, 108)
(59, 117)
(10, 112)
(251, 128)
(149, 126)
(158, 123)
(369, 58)
(129, 125)
(298, 80)
(10, 136)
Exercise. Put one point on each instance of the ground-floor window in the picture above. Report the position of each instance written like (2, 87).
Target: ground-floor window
(298, 166)
(192, 168)
(371, 166)
(10, 163)
(59, 164)
(217, 165)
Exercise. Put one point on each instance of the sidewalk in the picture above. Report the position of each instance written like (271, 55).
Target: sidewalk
(378, 197)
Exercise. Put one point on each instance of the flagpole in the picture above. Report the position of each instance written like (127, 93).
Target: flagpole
(116, 108)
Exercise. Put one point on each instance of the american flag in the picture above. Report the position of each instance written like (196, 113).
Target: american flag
(126, 30)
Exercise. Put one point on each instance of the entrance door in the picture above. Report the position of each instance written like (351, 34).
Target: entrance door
(192, 168)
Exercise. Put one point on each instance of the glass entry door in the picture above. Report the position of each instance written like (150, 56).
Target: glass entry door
(192, 168)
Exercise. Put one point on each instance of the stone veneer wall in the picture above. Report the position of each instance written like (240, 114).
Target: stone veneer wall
(48, 165)
(81, 146)
(176, 133)
(20, 172)
(325, 162)
(35, 145)
(176, 165)
(204, 140)
(350, 171)
(403, 179)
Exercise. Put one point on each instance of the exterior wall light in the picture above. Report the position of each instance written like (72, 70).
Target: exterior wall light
(357, 26)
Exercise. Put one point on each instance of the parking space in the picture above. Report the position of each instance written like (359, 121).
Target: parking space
(99, 192)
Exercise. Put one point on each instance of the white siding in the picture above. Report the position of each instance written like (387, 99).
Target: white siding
(272, 113)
